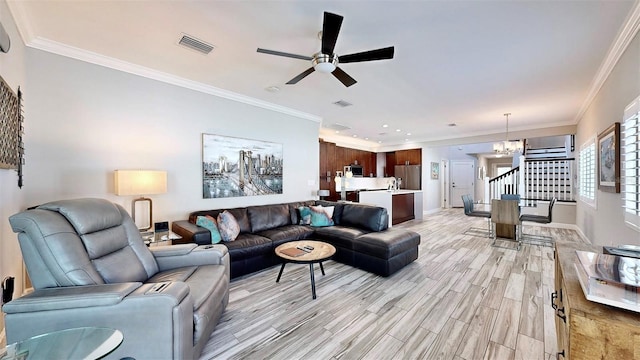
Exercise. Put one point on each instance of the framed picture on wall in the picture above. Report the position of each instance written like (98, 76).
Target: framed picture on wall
(435, 170)
(609, 159)
(233, 167)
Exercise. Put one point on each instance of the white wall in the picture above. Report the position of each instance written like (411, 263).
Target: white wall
(11, 197)
(605, 225)
(431, 188)
(85, 121)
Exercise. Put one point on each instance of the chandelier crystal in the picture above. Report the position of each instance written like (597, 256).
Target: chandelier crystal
(507, 147)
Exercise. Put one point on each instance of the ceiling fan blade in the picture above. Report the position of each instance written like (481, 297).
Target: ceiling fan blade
(280, 53)
(301, 76)
(343, 77)
(330, 29)
(378, 54)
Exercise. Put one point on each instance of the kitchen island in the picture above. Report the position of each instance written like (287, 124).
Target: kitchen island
(402, 205)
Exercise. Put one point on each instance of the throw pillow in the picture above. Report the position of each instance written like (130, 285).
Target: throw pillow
(327, 209)
(305, 215)
(228, 226)
(210, 224)
(319, 217)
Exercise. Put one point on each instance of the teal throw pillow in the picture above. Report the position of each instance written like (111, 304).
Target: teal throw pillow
(305, 215)
(319, 217)
(228, 226)
(209, 223)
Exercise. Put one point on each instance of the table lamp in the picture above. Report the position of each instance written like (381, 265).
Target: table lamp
(139, 183)
(323, 193)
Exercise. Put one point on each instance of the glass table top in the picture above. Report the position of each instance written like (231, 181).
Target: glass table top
(77, 343)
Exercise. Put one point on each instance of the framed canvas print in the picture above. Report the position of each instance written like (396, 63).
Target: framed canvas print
(435, 170)
(233, 167)
(609, 159)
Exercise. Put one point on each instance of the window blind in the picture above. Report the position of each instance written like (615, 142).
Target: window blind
(587, 172)
(630, 147)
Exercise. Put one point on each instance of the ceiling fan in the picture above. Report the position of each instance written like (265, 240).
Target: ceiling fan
(326, 61)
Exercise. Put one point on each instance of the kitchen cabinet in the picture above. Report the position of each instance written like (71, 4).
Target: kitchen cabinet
(401, 157)
(333, 158)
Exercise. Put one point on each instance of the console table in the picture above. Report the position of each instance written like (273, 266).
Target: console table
(586, 329)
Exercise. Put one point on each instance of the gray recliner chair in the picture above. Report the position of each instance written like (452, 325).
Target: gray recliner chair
(89, 267)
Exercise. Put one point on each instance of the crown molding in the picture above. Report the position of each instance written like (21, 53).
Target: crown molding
(124, 66)
(25, 29)
(626, 34)
(19, 13)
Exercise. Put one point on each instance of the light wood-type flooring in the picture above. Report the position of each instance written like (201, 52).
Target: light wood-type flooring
(462, 299)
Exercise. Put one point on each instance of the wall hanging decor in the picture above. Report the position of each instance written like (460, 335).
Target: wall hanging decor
(435, 170)
(609, 159)
(233, 167)
(11, 130)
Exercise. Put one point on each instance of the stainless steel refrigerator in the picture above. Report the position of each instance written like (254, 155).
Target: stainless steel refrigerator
(411, 176)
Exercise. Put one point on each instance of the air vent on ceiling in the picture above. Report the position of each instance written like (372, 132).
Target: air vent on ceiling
(342, 103)
(195, 44)
(338, 127)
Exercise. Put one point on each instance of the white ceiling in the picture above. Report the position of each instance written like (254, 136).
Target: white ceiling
(462, 62)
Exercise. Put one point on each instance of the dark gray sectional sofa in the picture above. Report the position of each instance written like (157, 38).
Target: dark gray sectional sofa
(360, 235)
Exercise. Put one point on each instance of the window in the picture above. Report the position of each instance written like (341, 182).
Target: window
(587, 172)
(630, 147)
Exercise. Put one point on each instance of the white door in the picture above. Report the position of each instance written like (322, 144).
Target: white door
(462, 181)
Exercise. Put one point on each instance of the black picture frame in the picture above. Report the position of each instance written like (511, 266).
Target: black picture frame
(609, 159)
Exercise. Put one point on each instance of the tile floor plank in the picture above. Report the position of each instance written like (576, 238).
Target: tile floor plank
(461, 299)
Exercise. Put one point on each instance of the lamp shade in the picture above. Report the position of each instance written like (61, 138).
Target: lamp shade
(140, 182)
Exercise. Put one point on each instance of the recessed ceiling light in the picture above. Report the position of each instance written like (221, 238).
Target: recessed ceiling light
(337, 131)
(408, 134)
(406, 139)
(366, 138)
(398, 130)
(452, 124)
(385, 126)
(272, 89)
(379, 141)
(354, 135)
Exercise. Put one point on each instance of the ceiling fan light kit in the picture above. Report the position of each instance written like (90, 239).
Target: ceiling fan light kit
(326, 61)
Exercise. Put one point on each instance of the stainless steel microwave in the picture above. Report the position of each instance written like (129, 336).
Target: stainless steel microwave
(356, 170)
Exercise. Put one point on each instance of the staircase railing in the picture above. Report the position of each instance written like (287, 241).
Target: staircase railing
(537, 179)
(506, 183)
(543, 179)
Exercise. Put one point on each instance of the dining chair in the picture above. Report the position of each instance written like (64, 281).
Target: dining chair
(540, 219)
(469, 210)
(510, 197)
(506, 212)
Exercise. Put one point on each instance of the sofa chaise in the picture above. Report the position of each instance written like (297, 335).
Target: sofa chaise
(360, 235)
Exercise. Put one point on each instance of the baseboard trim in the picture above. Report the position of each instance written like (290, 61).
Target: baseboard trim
(430, 212)
(566, 226)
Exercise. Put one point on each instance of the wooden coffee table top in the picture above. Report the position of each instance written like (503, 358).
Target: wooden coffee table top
(321, 251)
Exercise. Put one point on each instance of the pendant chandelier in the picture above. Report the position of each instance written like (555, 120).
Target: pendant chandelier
(507, 147)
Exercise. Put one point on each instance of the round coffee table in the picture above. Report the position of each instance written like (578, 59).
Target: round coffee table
(321, 252)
